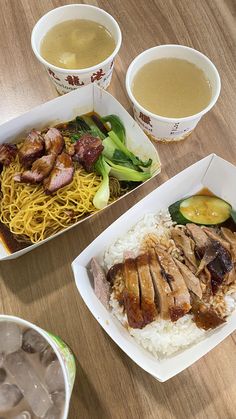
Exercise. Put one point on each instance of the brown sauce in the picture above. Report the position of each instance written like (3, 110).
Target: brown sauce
(9, 241)
(205, 192)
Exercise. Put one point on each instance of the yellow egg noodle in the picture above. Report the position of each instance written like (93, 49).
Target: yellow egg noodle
(32, 215)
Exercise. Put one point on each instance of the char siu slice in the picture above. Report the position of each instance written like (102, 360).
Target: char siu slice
(31, 149)
(61, 175)
(39, 170)
(8, 153)
(87, 151)
(54, 142)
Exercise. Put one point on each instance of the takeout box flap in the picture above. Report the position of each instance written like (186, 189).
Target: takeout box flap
(205, 173)
(67, 107)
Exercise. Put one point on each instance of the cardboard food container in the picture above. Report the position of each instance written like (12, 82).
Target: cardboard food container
(81, 101)
(211, 172)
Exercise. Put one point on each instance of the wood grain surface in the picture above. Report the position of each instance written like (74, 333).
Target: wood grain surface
(40, 286)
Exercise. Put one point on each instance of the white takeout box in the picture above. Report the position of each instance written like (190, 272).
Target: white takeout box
(212, 172)
(67, 107)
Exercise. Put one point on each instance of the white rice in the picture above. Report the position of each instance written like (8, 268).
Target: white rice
(150, 223)
(161, 337)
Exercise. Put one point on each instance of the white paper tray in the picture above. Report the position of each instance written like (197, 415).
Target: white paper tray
(67, 107)
(212, 172)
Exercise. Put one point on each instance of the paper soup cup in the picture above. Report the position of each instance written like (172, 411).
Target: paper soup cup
(62, 351)
(66, 80)
(160, 128)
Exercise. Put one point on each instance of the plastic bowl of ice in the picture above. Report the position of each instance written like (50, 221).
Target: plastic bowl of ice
(37, 371)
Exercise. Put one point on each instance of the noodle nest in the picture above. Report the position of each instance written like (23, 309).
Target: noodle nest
(32, 215)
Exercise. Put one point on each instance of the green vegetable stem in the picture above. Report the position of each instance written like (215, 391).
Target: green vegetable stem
(102, 195)
(112, 143)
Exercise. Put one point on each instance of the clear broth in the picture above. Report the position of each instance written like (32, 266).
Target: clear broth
(77, 44)
(172, 87)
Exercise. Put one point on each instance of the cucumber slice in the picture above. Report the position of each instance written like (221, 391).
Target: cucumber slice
(200, 209)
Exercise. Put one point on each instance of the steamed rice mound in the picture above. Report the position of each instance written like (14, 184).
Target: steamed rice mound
(161, 337)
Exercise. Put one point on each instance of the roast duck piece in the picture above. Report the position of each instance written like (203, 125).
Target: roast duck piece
(156, 284)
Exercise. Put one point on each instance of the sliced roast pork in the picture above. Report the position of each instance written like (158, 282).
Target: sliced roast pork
(162, 289)
(61, 175)
(31, 149)
(148, 306)
(87, 151)
(177, 284)
(40, 169)
(8, 153)
(101, 285)
(132, 297)
(192, 282)
(54, 141)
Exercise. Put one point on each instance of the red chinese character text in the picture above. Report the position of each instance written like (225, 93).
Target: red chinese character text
(53, 74)
(146, 119)
(98, 75)
(74, 81)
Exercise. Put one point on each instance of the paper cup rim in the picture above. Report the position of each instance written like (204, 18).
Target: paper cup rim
(82, 70)
(43, 333)
(164, 118)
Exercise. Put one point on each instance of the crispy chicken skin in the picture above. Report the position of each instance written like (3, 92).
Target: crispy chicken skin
(204, 317)
(31, 149)
(148, 306)
(162, 289)
(132, 297)
(61, 175)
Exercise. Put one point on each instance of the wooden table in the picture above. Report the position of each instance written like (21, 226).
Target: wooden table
(40, 286)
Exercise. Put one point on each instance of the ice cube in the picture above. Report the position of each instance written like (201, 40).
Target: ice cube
(58, 399)
(23, 415)
(10, 337)
(10, 396)
(47, 356)
(33, 341)
(3, 375)
(54, 377)
(28, 381)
